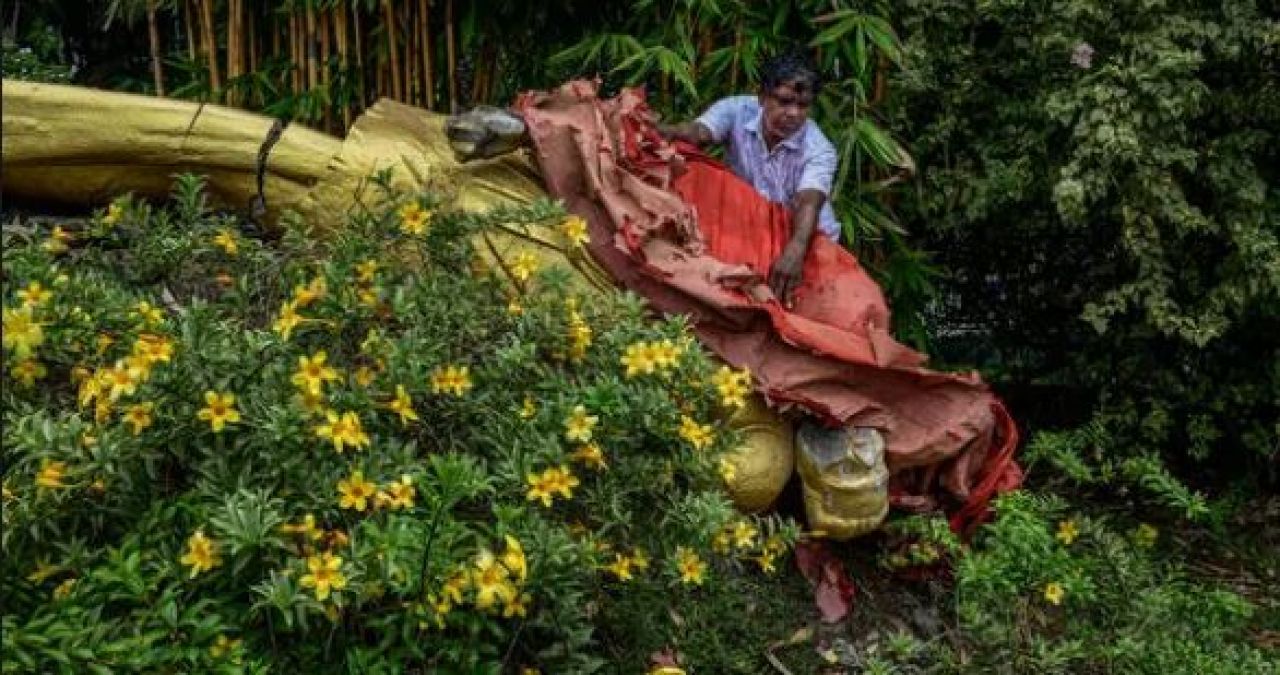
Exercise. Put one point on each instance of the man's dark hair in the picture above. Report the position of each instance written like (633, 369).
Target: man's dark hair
(790, 67)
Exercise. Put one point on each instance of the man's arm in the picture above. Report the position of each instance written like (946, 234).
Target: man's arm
(786, 275)
(690, 132)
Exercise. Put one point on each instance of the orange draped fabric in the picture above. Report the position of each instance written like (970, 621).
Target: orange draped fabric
(680, 229)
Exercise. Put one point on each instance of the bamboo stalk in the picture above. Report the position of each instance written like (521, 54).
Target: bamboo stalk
(452, 53)
(424, 25)
(233, 48)
(295, 50)
(313, 67)
(210, 46)
(324, 66)
(253, 43)
(412, 87)
(190, 29)
(389, 19)
(360, 83)
(157, 70)
(344, 62)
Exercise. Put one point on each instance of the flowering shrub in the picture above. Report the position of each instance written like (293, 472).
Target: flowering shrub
(358, 451)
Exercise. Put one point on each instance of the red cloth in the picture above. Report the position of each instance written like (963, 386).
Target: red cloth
(680, 229)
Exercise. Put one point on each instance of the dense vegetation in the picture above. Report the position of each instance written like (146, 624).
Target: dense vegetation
(1078, 197)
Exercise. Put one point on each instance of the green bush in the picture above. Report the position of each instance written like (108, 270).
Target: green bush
(1099, 179)
(347, 453)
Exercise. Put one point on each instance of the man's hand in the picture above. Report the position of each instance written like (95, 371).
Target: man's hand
(787, 273)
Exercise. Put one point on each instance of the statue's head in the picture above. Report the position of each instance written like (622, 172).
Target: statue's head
(846, 482)
(484, 132)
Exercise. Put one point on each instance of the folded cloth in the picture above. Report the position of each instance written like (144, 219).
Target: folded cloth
(678, 228)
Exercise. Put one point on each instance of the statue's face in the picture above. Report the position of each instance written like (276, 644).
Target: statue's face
(484, 132)
(845, 479)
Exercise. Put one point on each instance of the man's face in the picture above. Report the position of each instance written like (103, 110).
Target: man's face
(786, 107)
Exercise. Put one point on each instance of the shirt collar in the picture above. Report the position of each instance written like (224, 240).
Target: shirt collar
(793, 142)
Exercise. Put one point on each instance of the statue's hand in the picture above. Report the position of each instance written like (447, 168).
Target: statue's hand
(484, 132)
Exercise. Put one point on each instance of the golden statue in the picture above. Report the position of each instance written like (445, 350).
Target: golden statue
(84, 146)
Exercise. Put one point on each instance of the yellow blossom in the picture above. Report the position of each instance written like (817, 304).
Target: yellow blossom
(722, 542)
(490, 580)
(1145, 535)
(312, 373)
(744, 534)
(541, 488)
(591, 456)
(227, 242)
(313, 403)
(698, 435)
(733, 386)
(304, 295)
(223, 646)
(138, 416)
(120, 380)
(514, 308)
(324, 574)
(307, 528)
(621, 567)
(638, 359)
(455, 586)
(1053, 592)
(728, 470)
(401, 493)
(451, 379)
(104, 342)
(148, 313)
(528, 409)
(516, 605)
(366, 270)
(355, 492)
(364, 376)
(563, 481)
(27, 371)
(43, 571)
(369, 296)
(765, 561)
(1067, 532)
(115, 211)
(57, 241)
(414, 219)
(219, 410)
(63, 590)
(343, 430)
(524, 265)
(692, 569)
(202, 554)
(513, 558)
(665, 354)
(22, 333)
(51, 474)
(153, 348)
(289, 319)
(402, 405)
(580, 336)
(575, 230)
(579, 425)
(34, 295)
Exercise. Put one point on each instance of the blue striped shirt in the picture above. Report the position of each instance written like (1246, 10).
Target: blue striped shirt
(806, 160)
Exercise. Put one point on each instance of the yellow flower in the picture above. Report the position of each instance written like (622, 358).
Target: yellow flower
(343, 430)
(153, 348)
(9, 494)
(312, 373)
(104, 342)
(728, 470)
(366, 270)
(403, 406)
(402, 493)
(528, 409)
(733, 386)
(514, 308)
(355, 492)
(665, 354)
(744, 534)
(120, 380)
(364, 376)
(115, 211)
(368, 296)
(513, 558)
(455, 586)
(219, 410)
(692, 569)
(227, 242)
(490, 581)
(148, 313)
(524, 265)
(579, 425)
(307, 528)
(698, 435)
(1053, 592)
(1067, 532)
(1145, 535)
(580, 336)
(591, 456)
(223, 646)
(638, 359)
(51, 474)
(575, 230)
(27, 371)
(722, 541)
(451, 379)
(34, 295)
(516, 605)
(541, 488)
(57, 241)
(305, 295)
(289, 320)
(324, 573)
(414, 219)
(63, 590)
(43, 571)
(563, 481)
(202, 554)
(22, 333)
(621, 567)
(313, 403)
(138, 416)
(765, 561)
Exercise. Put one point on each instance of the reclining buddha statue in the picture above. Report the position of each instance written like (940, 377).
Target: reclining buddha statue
(836, 396)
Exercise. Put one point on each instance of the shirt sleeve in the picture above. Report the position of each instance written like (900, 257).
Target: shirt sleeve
(719, 118)
(819, 170)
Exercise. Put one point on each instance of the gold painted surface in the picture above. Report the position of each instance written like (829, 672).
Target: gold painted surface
(762, 465)
(845, 481)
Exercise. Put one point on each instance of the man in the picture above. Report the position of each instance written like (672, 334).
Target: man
(771, 143)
